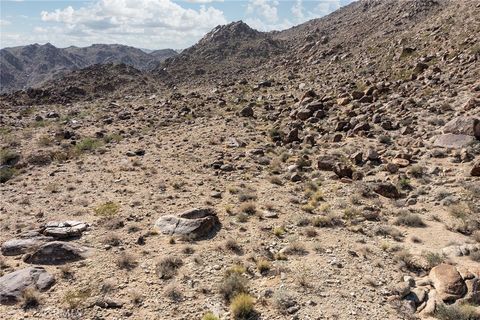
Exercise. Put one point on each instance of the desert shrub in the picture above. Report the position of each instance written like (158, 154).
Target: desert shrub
(210, 316)
(232, 245)
(8, 157)
(263, 266)
(167, 267)
(88, 144)
(279, 231)
(30, 299)
(295, 248)
(232, 285)
(6, 174)
(75, 298)
(456, 312)
(385, 230)
(248, 208)
(475, 256)
(108, 209)
(283, 300)
(126, 261)
(173, 293)
(410, 220)
(433, 259)
(242, 307)
(327, 221)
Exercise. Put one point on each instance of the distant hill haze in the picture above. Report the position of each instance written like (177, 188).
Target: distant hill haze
(32, 65)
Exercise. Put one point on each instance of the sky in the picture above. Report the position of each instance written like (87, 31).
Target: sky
(148, 24)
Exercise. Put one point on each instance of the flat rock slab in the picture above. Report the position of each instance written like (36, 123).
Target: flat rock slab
(57, 252)
(463, 125)
(191, 224)
(19, 246)
(451, 140)
(64, 229)
(448, 282)
(13, 285)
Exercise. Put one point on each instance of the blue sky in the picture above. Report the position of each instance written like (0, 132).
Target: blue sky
(150, 24)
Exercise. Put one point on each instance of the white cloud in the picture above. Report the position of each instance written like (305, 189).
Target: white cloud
(264, 8)
(4, 23)
(203, 1)
(141, 23)
(297, 10)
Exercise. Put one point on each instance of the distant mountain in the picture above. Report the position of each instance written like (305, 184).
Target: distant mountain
(31, 65)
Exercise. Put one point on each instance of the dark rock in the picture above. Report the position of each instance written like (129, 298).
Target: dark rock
(247, 112)
(475, 172)
(56, 252)
(19, 246)
(387, 190)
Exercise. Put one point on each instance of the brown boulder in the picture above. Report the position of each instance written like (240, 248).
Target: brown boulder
(448, 282)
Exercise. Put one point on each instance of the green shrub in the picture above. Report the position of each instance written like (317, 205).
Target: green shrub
(210, 316)
(242, 307)
(6, 174)
(8, 157)
(88, 144)
(108, 209)
(232, 285)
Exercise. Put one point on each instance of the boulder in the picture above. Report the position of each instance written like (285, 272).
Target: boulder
(448, 282)
(65, 229)
(463, 125)
(13, 285)
(387, 190)
(56, 252)
(191, 224)
(450, 140)
(23, 245)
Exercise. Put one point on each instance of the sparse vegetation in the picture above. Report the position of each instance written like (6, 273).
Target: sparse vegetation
(410, 220)
(167, 267)
(232, 285)
(242, 306)
(107, 210)
(126, 261)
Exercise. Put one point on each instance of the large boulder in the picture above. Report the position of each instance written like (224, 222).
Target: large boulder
(463, 125)
(57, 252)
(13, 285)
(191, 224)
(448, 282)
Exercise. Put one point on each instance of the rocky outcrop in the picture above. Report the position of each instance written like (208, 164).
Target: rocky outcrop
(191, 224)
(13, 285)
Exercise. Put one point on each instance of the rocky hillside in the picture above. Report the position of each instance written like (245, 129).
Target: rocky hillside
(226, 51)
(335, 177)
(30, 66)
